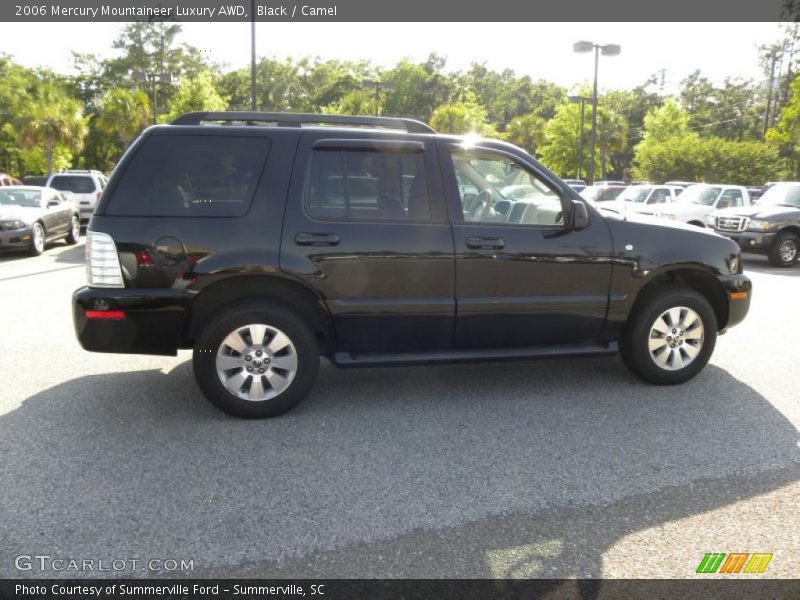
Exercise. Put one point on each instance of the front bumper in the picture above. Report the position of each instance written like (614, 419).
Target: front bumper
(753, 241)
(153, 320)
(18, 239)
(738, 291)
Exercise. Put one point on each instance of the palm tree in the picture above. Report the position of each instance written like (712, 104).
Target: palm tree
(124, 113)
(52, 118)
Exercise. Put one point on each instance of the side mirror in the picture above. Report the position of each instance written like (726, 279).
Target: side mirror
(580, 216)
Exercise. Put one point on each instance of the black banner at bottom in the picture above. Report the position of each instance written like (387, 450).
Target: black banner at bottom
(394, 589)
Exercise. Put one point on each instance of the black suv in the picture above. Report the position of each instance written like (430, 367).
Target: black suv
(264, 240)
(771, 227)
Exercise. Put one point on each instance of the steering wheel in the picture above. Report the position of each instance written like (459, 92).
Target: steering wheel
(482, 205)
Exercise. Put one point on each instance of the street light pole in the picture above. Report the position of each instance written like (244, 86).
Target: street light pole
(605, 50)
(253, 55)
(593, 138)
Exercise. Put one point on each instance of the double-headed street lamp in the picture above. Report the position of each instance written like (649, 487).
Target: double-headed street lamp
(153, 79)
(605, 50)
(378, 86)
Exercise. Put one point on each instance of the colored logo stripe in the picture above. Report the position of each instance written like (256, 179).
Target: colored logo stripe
(711, 562)
(735, 561)
(758, 562)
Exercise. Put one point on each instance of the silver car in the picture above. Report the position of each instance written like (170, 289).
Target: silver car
(31, 216)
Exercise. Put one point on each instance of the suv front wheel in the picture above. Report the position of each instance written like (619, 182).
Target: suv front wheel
(257, 359)
(670, 336)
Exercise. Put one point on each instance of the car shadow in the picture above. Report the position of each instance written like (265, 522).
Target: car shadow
(74, 255)
(506, 470)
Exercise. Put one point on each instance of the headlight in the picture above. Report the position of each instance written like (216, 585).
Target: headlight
(710, 220)
(10, 225)
(760, 225)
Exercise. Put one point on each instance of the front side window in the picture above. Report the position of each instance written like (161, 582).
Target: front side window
(494, 188)
(659, 196)
(730, 198)
(191, 176)
(367, 185)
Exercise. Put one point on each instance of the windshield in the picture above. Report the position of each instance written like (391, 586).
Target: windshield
(700, 194)
(636, 193)
(781, 195)
(27, 198)
(73, 183)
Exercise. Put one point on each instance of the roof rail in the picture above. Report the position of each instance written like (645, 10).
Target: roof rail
(298, 119)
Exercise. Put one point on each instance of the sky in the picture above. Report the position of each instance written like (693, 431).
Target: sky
(541, 50)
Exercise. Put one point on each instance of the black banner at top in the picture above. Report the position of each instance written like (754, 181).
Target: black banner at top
(398, 11)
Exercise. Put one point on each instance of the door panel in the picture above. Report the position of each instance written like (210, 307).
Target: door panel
(356, 229)
(534, 282)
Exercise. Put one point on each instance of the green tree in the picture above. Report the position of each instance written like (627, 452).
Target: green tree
(198, 93)
(465, 116)
(357, 102)
(560, 152)
(786, 133)
(527, 131)
(123, 114)
(52, 118)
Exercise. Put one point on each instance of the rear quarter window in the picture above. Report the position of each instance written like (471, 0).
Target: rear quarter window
(191, 176)
(76, 184)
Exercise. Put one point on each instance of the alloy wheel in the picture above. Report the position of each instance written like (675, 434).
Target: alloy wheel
(676, 338)
(256, 362)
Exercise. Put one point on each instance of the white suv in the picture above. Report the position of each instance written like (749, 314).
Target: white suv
(82, 186)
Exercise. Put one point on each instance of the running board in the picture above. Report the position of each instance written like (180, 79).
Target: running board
(378, 359)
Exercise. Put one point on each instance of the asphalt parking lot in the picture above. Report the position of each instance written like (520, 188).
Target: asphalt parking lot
(567, 468)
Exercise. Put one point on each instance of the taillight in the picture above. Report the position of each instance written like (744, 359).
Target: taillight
(97, 196)
(105, 314)
(102, 262)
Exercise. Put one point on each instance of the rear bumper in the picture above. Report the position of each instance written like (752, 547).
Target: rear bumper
(738, 291)
(750, 240)
(152, 323)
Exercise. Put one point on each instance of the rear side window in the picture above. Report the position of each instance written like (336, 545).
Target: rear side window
(191, 176)
(363, 185)
(77, 184)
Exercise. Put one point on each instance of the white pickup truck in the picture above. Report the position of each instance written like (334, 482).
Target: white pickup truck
(696, 203)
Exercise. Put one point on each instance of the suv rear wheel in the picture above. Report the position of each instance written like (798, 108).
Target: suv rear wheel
(257, 359)
(784, 250)
(670, 336)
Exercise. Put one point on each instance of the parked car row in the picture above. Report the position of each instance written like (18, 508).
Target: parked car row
(768, 224)
(44, 208)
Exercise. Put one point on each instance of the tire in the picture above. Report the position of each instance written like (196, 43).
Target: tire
(784, 250)
(649, 348)
(74, 231)
(238, 327)
(37, 240)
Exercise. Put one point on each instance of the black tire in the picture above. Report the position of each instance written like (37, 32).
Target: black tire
(786, 240)
(36, 249)
(635, 349)
(74, 231)
(274, 316)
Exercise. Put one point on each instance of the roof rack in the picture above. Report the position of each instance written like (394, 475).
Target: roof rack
(298, 119)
